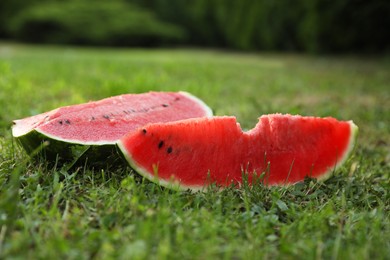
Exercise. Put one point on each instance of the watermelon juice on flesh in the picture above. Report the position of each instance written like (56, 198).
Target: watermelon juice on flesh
(281, 149)
(97, 126)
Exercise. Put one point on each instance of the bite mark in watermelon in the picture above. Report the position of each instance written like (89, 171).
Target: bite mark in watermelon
(99, 125)
(280, 150)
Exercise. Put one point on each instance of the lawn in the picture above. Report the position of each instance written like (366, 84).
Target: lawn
(49, 212)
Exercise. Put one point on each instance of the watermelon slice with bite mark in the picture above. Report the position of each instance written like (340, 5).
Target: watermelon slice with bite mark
(280, 150)
(91, 130)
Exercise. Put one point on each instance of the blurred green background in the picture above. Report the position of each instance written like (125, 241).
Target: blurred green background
(314, 26)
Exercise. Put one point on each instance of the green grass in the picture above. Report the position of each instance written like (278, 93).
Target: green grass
(50, 212)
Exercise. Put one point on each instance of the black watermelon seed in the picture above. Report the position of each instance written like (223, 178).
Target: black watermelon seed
(164, 105)
(160, 144)
(106, 116)
(93, 118)
(144, 131)
(169, 150)
(60, 122)
(67, 121)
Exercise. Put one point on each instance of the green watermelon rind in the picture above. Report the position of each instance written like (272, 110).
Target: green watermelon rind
(54, 149)
(176, 185)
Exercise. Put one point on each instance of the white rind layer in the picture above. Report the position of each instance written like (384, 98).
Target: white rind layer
(21, 128)
(207, 109)
(19, 131)
(73, 141)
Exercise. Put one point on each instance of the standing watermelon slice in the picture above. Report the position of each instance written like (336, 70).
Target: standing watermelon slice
(281, 149)
(95, 127)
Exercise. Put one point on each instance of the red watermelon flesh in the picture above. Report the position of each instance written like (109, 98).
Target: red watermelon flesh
(281, 149)
(107, 120)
